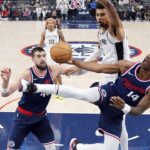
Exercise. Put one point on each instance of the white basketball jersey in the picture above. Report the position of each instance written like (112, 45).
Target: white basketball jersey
(111, 50)
(50, 39)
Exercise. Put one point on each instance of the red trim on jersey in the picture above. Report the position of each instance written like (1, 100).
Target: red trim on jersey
(34, 70)
(112, 135)
(29, 113)
(31, 75)
(147, 90)
(138, 77)
(125, 72)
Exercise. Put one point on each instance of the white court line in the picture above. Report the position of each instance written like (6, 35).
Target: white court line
(60, 145)
(1, 127)
(133, 138)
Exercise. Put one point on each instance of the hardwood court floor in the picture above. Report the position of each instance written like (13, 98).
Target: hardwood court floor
(16, 35)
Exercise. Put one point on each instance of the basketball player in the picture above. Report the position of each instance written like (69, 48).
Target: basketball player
(49, 37)
(31, 111)
(112, 40)
(112, 46)
(130, 93)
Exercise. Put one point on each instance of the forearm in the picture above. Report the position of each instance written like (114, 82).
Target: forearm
(89, 66)
(136, 111)
(127, 109)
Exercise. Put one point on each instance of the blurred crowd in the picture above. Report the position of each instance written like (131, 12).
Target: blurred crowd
(70, 9)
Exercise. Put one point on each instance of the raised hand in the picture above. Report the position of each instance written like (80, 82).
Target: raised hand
(5, 74)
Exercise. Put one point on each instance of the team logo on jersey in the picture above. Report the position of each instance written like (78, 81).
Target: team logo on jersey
(104, 41)
(11, 144)
(103, 92)
(82, 50)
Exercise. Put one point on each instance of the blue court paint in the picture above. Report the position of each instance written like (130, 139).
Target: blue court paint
(81, 126)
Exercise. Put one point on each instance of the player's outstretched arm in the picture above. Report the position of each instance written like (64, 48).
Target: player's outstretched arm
(118, 67)
(74, 70)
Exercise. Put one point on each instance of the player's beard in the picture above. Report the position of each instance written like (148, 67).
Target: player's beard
(102, 25)
(42, 68)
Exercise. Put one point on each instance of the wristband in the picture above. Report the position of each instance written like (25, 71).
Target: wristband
(4, 90)
(126, 109)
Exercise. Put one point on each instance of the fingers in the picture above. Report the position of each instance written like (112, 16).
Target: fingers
(117, 99)
(117, 102)
(5, 70)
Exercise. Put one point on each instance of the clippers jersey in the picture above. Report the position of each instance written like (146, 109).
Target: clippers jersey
(50, 39)
(111, 50)
(36, 102)
(130, 88)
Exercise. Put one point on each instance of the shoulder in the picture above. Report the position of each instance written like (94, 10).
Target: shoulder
(124, 65)
(26, 75)
(55, 70)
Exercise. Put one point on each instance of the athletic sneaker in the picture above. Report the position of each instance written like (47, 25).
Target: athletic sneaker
(73, 144)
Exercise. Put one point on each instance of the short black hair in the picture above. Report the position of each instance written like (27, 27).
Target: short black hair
(36, 49)
(99, 6)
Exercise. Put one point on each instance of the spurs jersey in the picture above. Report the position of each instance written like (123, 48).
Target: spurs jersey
(111, 50)
(36, 102)
(130, 88)
(50, 39)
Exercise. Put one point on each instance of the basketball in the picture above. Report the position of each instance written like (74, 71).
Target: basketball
(61, 52)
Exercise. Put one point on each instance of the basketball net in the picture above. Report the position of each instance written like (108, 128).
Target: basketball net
(72, 4)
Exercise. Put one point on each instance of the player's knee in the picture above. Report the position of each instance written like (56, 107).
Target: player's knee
(50, 146)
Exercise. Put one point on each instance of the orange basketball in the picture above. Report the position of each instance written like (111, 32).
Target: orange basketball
(61, 52)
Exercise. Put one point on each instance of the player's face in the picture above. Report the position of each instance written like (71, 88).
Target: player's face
(146, 63)
(102, 18)
(50, 25)
(39, 59)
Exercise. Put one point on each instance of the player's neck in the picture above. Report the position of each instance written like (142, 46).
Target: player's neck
(51, 30)
(39, 71)
(143, 74)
